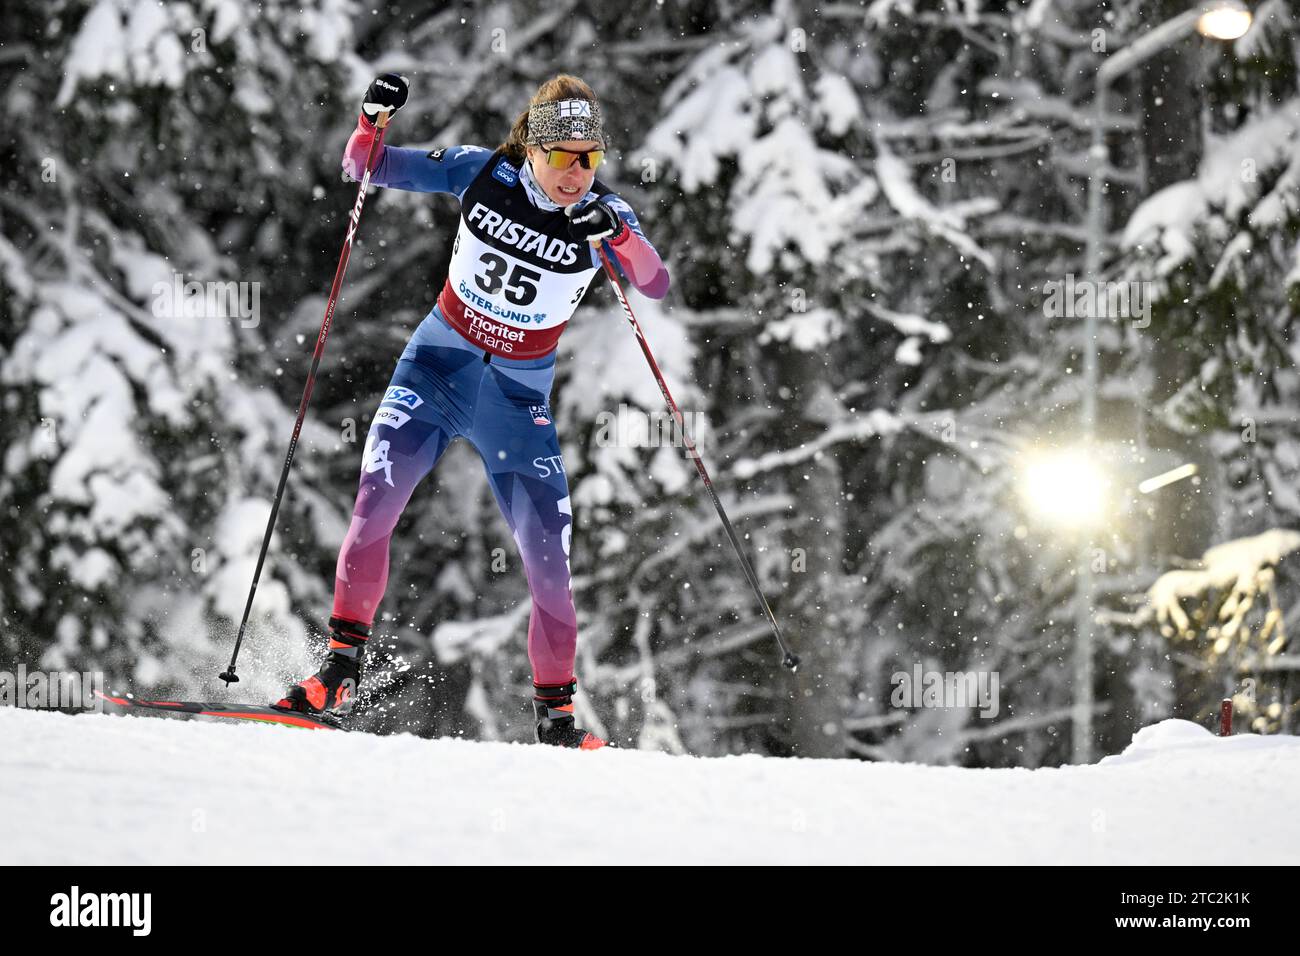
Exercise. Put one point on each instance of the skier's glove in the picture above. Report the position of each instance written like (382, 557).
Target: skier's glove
(387, 94)
(595, 221)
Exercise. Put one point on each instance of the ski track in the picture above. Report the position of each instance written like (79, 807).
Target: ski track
(100, 789)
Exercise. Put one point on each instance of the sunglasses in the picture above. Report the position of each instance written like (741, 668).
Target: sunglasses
(564, 158)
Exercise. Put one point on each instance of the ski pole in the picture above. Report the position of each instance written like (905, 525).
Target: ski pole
(790, 659)
(354, 221)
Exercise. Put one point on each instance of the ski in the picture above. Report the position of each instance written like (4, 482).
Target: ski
(258, 712)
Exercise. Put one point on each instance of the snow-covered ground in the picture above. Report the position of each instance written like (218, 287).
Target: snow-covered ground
(136, 789)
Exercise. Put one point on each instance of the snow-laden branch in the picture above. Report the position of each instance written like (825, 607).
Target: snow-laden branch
(1237, 567)
(874, 423)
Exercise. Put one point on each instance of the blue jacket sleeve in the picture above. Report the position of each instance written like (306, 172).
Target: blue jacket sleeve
(448, 170)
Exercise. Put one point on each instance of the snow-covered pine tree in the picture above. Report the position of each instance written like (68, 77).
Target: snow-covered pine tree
(148, 147)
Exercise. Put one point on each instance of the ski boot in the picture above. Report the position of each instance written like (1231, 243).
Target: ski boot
(334, 686)
(553, 705)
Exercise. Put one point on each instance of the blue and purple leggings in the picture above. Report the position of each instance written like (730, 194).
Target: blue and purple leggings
(442, 387)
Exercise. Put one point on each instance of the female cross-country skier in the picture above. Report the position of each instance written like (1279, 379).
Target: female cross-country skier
(481, 364)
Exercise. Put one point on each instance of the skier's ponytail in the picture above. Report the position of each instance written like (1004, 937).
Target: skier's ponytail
(562, 86)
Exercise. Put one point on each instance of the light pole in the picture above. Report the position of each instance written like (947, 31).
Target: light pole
(1222, 20)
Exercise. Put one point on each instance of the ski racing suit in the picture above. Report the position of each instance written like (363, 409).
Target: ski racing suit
(481, 365)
